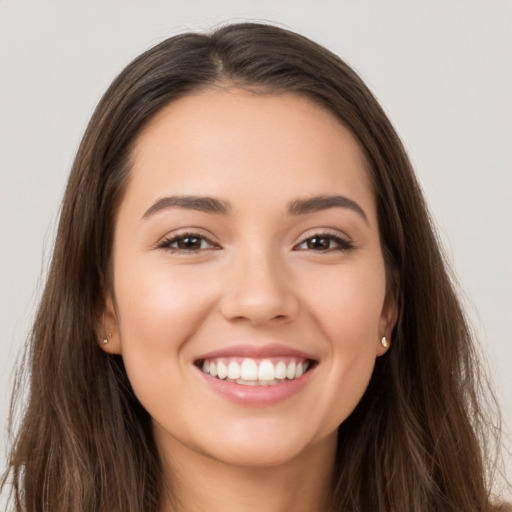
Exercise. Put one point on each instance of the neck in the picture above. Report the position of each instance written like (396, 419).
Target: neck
(202, 484)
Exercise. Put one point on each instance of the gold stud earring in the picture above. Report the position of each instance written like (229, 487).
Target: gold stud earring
(384, 342)
(107, 339)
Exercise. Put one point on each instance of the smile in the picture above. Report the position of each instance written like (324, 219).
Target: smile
(255, 372)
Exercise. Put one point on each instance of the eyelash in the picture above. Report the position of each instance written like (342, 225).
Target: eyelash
(342, 243)
(167, 243)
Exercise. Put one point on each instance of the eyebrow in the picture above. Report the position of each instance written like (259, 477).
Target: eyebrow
(219, 207)
(199, 203)
(315, 204)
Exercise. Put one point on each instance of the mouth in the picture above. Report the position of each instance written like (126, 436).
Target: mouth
(270, 371)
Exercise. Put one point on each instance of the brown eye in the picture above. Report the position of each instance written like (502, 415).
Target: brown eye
(325, 243)
(319, 243)
(187, 243)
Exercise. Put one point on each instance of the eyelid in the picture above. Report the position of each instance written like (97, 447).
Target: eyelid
(165, 242)
(324, 232)
(341, 238)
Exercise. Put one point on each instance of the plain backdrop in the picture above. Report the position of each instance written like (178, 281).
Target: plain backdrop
(442, 71)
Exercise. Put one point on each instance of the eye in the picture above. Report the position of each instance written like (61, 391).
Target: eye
(187, 242)
(324, 242)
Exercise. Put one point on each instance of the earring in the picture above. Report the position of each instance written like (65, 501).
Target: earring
(384, 342)
(107, 339)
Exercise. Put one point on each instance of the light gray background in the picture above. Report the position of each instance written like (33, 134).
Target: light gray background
(442, 70)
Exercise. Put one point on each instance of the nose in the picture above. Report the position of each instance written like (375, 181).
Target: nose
(259, 290)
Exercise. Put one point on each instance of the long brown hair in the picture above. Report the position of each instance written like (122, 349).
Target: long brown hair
(414, 443)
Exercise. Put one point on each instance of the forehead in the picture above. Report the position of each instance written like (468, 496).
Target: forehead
(222, 141)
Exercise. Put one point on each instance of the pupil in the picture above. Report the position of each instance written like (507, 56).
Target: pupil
(318, 243)
(189, 242)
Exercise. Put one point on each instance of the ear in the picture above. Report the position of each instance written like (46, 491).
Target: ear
(108, 327)
(389, 314)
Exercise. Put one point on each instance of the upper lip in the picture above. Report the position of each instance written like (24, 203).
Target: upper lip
(256, 352)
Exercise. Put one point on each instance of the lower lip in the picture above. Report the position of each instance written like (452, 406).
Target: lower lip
(257, 395)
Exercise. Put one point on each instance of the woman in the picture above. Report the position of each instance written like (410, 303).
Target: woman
(247, 306)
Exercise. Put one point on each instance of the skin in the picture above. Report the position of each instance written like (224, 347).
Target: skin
(258, 282)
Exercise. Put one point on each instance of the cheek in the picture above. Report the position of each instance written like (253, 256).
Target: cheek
(159, 309)
(347, 308)
(159, 306)
(348, 303)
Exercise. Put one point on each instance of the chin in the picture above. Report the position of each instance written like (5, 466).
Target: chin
(254, 457)
(264, 449)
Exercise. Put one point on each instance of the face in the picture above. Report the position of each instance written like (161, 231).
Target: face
(249, 283)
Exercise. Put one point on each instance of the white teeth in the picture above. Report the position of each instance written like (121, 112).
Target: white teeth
(248, 382)
(249, 370)
(290, 372)
(222, 370)
(253, 372)
(233, 370)
(266, 370)
(280, 370)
